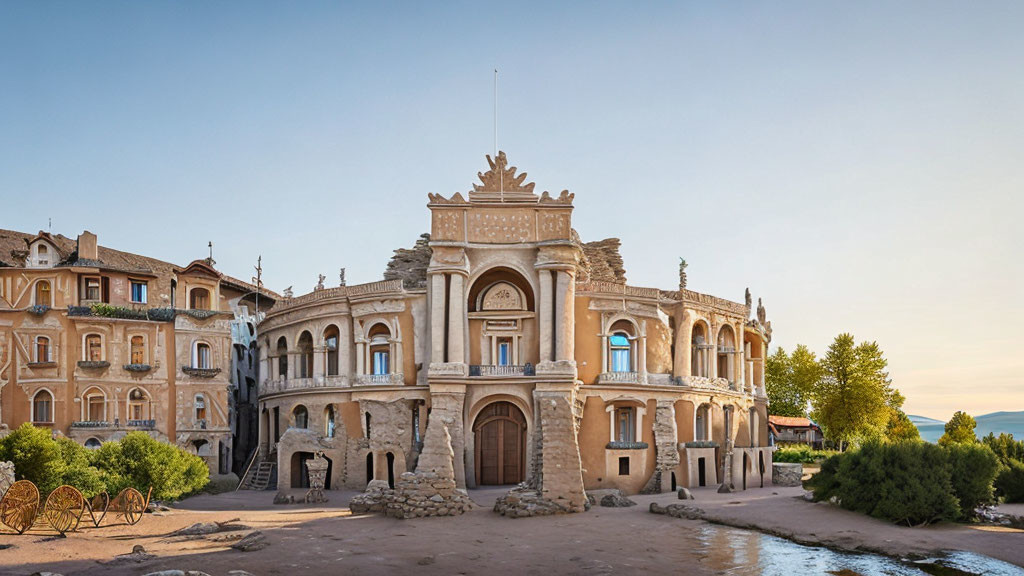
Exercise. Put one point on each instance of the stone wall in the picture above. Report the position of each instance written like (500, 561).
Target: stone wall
(665, 448)
(6, 476)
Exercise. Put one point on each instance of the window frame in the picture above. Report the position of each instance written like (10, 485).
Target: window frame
(45, 359)
(625, 420)
(87, 347)
(197, 355)
(49, 407)
(43, 285)
(132, 283)
(141, 350)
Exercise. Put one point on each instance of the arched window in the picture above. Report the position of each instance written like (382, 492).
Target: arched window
(202, 357)
(138, 405)
(138, 350)
(95, 405)
(200, 408)
(92, 444)
(620, 353)
(305, 346)
(93, 348)
(301, 417)
(282, 357)
(380, 349)
(199, 299)
(331, 344)
(702, 424)
(42, 407)
(701, 351)
(43, 255)
(42, 349)
(726, 349)
(43, 292)
(329, 419)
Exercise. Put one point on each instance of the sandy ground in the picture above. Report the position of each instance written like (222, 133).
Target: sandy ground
(327, 539)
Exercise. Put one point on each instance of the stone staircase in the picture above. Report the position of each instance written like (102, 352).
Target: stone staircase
(261, 477)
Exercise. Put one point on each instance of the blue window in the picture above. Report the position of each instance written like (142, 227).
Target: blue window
(620, 353)
(380, 362)
(138, 292)
(504, 353)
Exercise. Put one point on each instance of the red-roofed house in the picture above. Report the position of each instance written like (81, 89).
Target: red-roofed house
(793, 430)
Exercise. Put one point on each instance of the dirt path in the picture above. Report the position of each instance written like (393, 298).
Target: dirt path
(329, 540)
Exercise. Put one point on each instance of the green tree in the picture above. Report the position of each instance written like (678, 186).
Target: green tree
(900, 428)
(140, 461)
(959, 429)
(1005, 446)
(854, 398)
(791, 380)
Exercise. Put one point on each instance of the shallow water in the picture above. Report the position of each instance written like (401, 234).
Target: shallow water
(748, 553)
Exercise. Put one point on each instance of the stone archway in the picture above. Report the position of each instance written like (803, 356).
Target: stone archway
(500, 444)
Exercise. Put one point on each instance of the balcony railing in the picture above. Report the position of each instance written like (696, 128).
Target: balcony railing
(91, 424)
(379, 379)
(495, 370)
(200, 372)
(142, 424)
(621, 378)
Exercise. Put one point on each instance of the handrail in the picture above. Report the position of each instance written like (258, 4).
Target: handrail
(252, 460)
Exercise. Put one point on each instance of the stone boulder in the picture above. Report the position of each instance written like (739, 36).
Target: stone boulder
(786, 474)
(685, 494)
(616, 501)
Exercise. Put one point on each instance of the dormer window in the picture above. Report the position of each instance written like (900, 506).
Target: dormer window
(199, 299)
(42, 255)
(92, 289)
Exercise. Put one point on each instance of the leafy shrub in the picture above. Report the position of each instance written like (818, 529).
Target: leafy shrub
(800, 454)
(1005, 447)
(904, 482)
(1010, 481)
(137, 461)
(140, 461)
(35, 455)
(76, 469)
(973, 469)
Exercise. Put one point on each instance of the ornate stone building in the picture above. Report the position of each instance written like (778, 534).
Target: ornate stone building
(527, 348)
(95, 342)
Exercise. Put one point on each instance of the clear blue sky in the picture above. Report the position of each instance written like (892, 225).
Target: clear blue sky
(856, 164)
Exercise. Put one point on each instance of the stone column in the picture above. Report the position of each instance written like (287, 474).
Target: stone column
(345, 347)
(545, 315)
(360, 357)
(565, 316)
(456, 320)
(397, 366)
(611, 422)
(437, 298)
(681, 361)
(561, 476)
(319, 364)
(739, 361)
(447, 403)
(604, 353)
(641, 364)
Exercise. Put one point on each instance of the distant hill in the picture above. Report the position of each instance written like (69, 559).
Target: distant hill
(996, 422)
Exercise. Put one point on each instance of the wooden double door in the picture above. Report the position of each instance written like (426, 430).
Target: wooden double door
(500, 440)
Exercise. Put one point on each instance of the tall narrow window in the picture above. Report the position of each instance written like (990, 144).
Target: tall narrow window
(43, 255)
(620, 348)
(380, 362)
(200, 407)
(282, 357)
(504, 352)
(138, 350)
(94, 348)
(95, 403)
(202, 358)
(331, 343)
(626, 424)
(42, 407)
(139, 289)
(329, 431)
(305, 346)
(701, 424)
(42, 349)
(199, 299)
(43, 293)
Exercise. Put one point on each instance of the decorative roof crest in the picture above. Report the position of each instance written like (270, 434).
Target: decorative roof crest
(502, 184)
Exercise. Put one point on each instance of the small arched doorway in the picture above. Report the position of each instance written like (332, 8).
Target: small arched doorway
(500, 444)
(746, 465)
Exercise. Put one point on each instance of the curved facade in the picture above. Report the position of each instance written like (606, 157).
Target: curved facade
(542, 363)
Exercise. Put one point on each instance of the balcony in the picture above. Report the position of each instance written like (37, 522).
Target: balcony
(200, 372)
(379, 380)
(137, 367)
(93, 364)
(622, 378)
(502, 371)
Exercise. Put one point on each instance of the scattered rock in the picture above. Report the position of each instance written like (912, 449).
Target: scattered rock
(240, 573)
(254, 541)
(177, 573)
(426, 560)
(616, 501)
(685, 494)
(46, 574)
(283, 498)
(677, 511)
(137, 555)
(808, 495)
